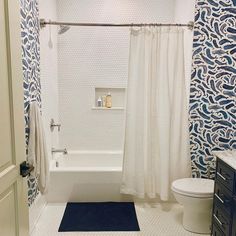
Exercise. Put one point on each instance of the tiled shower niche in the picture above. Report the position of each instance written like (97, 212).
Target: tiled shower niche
(118, 98)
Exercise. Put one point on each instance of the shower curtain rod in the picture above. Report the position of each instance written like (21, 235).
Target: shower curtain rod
(43, 23)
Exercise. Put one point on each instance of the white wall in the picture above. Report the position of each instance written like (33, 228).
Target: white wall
(90, 57)
(84, 58)
(48, 70)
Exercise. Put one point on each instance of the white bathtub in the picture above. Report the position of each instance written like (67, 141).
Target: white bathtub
(85, 176)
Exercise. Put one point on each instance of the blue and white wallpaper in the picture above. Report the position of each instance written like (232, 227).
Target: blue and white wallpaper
(213, 83)
(31, 70)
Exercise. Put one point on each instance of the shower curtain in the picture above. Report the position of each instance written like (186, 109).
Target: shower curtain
(156, 150)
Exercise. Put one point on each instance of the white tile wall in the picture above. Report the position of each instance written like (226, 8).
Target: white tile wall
(48, 70)
(96, 57)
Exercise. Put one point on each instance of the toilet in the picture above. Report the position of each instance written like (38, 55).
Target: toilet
(196, 196)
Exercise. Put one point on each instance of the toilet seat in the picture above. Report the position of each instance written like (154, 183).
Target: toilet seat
(194, 187)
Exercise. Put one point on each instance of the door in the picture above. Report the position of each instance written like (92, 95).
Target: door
(13, 188)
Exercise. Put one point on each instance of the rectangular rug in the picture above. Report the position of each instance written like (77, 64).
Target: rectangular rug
(99, 216)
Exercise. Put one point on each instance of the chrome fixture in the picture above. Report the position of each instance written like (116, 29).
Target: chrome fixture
(43, 23)
(63, 29)
(53, 125)
(64, 151)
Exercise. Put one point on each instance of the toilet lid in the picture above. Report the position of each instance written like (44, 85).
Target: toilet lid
(194, 187)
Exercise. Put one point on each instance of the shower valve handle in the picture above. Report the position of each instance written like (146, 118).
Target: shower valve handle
(53, 125)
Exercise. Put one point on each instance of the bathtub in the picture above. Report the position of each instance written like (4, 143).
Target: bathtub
(85, 176)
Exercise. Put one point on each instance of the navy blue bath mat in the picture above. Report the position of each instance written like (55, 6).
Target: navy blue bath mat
(99, 216)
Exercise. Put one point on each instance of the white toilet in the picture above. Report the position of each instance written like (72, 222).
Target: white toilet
(196, 196)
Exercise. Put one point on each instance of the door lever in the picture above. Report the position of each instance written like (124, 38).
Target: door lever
(25, 169)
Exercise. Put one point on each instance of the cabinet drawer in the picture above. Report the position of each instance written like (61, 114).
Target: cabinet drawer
(216, 231)
(234, 217)
(221, 219)
(225, 175)
(223, 197)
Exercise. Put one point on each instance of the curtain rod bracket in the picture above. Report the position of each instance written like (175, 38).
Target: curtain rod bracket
(42, 23)
(190, 25)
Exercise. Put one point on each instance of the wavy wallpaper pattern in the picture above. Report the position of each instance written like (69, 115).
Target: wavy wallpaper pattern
(213, 83)
(31, 69)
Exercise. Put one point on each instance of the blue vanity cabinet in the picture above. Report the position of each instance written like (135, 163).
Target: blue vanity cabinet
(234, 218)
(224, 202)
(216, 231)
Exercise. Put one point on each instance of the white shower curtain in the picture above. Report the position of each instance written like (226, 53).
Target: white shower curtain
(156, 137)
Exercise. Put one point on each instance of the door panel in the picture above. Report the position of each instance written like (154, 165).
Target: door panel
(7, 205)
(13, 188)
(5, 140)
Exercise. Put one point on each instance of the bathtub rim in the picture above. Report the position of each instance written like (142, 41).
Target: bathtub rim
(111, 168)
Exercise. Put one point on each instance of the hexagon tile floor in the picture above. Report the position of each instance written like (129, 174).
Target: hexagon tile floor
(154, 220)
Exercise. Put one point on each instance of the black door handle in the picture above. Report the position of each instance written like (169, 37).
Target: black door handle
(25, 169)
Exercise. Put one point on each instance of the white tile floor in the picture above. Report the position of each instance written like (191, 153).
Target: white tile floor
(155, 220)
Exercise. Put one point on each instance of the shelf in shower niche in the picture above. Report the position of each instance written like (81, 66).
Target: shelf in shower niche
(105, 108)
(117, 94)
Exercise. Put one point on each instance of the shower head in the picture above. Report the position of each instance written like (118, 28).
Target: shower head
(63, 29)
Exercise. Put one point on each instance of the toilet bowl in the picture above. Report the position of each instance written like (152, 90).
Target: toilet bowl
(196, 196)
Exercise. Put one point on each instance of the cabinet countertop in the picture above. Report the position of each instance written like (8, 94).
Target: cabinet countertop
(228, 156)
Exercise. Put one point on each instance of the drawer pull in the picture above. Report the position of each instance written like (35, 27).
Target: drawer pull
(222, 177)
(219, 198)
(217, 219)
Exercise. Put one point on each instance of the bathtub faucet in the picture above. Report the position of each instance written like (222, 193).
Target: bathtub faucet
(64, 151)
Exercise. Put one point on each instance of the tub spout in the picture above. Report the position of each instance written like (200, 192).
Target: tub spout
(64, 151)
